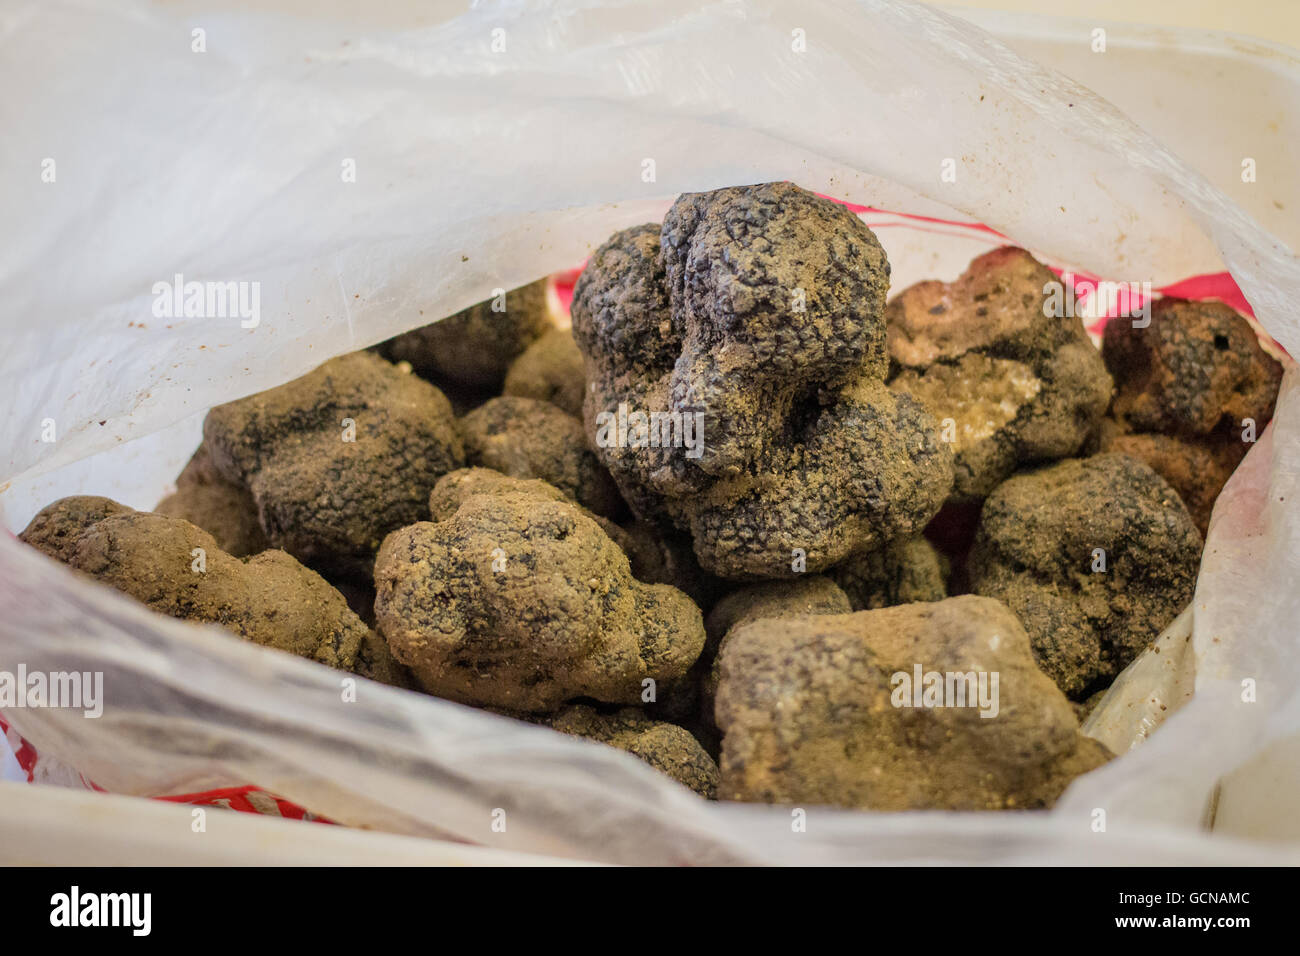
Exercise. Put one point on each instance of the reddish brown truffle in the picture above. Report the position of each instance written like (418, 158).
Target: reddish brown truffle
(1096, 556)
(748, 334)
(222, 508)
(522, 602)
(1197, 370)
(338, 458)
(1194, 388)
(823, 710)
(1011, 382)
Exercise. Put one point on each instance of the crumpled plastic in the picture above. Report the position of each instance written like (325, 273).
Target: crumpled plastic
(491, 146)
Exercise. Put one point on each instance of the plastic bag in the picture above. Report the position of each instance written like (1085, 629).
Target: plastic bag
(488, 148)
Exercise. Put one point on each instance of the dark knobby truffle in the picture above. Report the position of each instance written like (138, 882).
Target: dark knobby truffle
(338, 458)
(664, 746)
(748, 334)
(522, 602)
(1096, 556)
(528, 438)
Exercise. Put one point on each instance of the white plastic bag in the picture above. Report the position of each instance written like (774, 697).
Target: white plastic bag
(491, 147)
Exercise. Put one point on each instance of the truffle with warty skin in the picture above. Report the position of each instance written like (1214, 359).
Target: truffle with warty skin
(747, 334)
(179, 570)
(529, 438)
(1096, 556)
(338, 458)
(915, 707)
(473, 349)
(521, 602)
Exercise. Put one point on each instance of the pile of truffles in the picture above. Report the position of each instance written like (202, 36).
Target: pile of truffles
(749, 520)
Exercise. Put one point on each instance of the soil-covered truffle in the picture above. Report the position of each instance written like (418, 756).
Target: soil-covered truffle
(752, 325)
(522, 602)
(814, 711)
(907, 571)
(1192, 389)
(56, 528)
(1013, 382)
(1197, 370)
(1096, 556)
(528, 438)
(664, 746)
(222, 508)
(179, 570)
(475, 347)
(663, 556)
(800, 597)
(550, 370)
(1196, 469)
(338, 458)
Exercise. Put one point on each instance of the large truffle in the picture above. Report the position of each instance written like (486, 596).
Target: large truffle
(528, 438)
(822, 710)
(735, 364)
(522, 602)
(474, 348)
(179, 570)
(222, 508)
(664, 746)
(1012, 382)
(338, 458)
(1096, 556)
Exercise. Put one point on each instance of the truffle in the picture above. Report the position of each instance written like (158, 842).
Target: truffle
(829, 710)
(1197, 370)
(1012, 382)
(906, 571)
(474, 348)
(801, 597)
(1196, 469)
(664, 746)
(1193, 388)
(179, 570)
(522, 602)
(1096, 556)
(338, 458)
(735, 364)
(222, 508)
(550, 370)
(528, 438)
